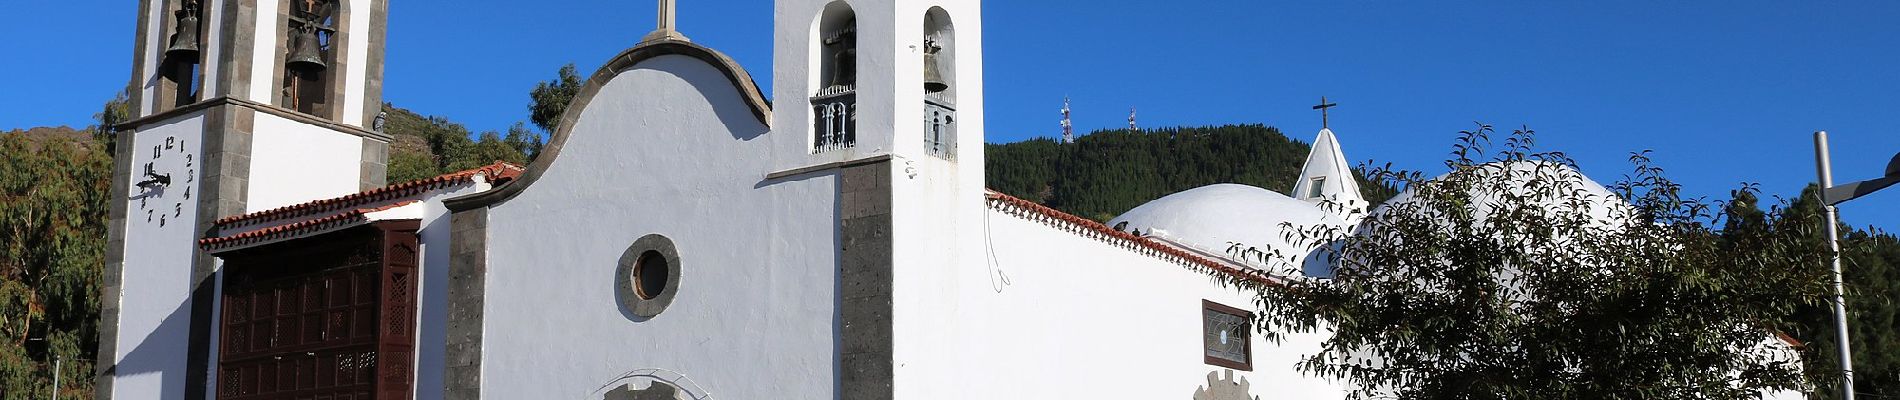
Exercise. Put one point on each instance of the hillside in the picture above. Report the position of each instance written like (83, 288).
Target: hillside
(427, 146)
(35, 138)
(1108, 172)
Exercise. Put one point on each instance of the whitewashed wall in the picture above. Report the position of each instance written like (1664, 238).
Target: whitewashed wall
(264, 50)
(294, 162)
(154, 46)
(358, 65)
(155, 304)
(665, 148)
(1054, 315)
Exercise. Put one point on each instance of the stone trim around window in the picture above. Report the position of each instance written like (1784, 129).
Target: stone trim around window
(644, 306)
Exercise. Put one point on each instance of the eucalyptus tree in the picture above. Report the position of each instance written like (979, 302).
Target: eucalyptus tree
(1511, 275)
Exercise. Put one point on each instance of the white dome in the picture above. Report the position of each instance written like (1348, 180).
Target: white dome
(1603, 205)
(1212, 218)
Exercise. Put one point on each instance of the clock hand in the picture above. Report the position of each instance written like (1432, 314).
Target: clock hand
(155, 179)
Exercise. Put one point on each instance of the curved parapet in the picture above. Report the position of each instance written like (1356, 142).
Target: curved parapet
(625, 61)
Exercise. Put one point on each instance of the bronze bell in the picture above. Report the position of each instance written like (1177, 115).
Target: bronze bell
(933, 75)
(844, 63)
(185, 36)
(306, 53)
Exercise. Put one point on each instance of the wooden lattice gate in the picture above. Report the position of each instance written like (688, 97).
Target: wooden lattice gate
(323, 318)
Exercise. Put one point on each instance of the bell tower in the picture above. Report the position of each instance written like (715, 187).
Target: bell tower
(900, 78)
(891, 93)
(239, 106)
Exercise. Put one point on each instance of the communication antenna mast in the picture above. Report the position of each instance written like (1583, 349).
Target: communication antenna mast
(1132, 127)
(1068, 128)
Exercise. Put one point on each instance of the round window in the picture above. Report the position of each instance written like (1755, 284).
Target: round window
(648, 277)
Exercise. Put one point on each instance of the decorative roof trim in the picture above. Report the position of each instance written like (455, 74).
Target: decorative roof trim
(497, 173)
(741, 81)
(1095, 230)
(306, 228)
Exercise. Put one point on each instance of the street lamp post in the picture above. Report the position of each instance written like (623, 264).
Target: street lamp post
(1830, 196)
(56, 361)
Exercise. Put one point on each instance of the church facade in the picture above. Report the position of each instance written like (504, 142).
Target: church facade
(681, 237)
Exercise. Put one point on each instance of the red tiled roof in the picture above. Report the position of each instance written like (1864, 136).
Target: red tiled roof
(1097, 230)
(496, 173)
(351, 217)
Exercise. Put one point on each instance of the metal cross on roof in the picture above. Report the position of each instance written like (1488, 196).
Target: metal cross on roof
(1323, 105)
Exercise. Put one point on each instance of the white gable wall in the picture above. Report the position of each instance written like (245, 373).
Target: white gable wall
(666, 148)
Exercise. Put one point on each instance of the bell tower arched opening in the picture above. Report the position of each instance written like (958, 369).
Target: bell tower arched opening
(939, 80)
(313, 32)
(181, 69)
(834, 77)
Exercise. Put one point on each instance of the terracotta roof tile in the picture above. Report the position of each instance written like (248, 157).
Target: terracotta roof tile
(347, 218)
(496, 173)
(1097, 230)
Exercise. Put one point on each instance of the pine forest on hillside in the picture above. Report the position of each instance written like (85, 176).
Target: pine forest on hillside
(1108, 172)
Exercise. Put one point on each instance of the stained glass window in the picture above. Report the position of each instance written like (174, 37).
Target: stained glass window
(1228, 336)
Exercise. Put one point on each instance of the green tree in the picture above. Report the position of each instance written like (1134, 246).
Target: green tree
(489, 149)
(523, 141)
(405, 166)
(1870, 262)
(550, 98)
(426, 146)
(1510, 277)
(53, 213)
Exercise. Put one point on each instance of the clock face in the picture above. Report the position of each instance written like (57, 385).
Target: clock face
(164, 178)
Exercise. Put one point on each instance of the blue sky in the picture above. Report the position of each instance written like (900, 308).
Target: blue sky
(1724, 92)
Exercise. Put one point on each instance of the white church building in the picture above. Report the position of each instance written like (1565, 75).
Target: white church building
(683, 235)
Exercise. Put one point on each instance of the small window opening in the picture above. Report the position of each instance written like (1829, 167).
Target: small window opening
(650, 275)
(1317, 189)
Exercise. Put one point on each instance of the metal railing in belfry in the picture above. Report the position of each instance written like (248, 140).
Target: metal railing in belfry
(940, 129)
(835, 122)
